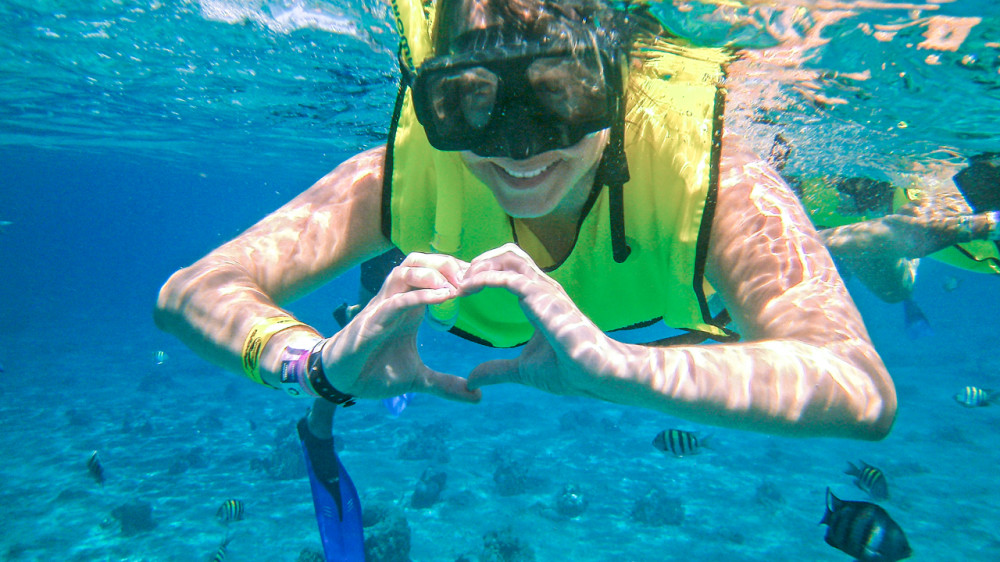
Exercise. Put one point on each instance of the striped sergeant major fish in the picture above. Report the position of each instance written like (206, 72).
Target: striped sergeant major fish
(870, 479)
(974, 397)
(222, 552)
(679, 442)
(864, 531)
(229, 511)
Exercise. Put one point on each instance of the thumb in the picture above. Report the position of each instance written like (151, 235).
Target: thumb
(497, 371)
(450, 387)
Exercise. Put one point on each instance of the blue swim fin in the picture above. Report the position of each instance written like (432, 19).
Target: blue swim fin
(917, 325)
(338, 508)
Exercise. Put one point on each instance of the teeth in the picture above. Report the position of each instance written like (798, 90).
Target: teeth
(528, 173)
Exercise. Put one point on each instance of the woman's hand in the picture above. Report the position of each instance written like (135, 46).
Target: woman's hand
(375, 355)
(568, 353)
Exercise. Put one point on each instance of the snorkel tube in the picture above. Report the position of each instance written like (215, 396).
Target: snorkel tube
(414, 47)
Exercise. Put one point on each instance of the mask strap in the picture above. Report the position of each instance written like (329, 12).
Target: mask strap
(620, 249)
(613, 172)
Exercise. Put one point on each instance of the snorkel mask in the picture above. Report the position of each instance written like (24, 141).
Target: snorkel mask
(516, 103)
(515, 78)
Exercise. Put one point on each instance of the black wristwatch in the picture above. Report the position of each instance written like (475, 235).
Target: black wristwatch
(319, 382)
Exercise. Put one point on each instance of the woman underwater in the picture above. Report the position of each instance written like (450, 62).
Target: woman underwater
(554, 171)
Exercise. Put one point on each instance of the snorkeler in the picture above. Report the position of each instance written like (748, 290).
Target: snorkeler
(617, 220)
(879, 232)
(547, 185)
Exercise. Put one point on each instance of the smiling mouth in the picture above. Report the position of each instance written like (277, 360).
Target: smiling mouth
(522, 176)
(528, 173)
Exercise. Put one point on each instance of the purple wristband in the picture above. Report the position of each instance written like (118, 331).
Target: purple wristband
(293, 379)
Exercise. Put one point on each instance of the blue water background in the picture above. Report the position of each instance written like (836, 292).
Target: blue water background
(111, 186)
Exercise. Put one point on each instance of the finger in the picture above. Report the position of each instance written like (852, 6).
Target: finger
(415, 277)
(497, 371)
(513, 281)
(509, 257)
(450, 387)
(391, 308)
(450, 267)
(510, 268)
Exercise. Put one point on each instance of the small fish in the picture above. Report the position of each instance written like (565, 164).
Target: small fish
(864, 531)
(221, 552)
(160, 357)
(229, 511)
(95, 468)
(950, 283)
(678, 442)
(975, 397)
(397, 404)
(870, 479)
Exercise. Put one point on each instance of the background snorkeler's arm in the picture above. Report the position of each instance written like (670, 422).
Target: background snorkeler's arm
(940, 218)
(882, 251)
(332, 226)
(807, 366)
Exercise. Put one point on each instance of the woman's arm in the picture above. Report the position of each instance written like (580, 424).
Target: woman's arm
(807, 366)
(213, 304)
(807, 369)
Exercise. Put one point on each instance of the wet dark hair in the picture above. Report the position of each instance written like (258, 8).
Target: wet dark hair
(514, 23)
(866, 195)
(980, 182)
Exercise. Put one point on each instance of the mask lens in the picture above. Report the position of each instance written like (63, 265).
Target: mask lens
(462, 100)
(572, 88)
(514, 104)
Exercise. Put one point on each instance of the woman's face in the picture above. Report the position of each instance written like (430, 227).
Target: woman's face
(548, 183)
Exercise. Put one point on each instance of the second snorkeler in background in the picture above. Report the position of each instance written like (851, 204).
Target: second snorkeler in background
(879, 232)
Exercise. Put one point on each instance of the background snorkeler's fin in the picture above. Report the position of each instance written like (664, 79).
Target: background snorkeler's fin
(346, 312)
(397, 404)
(338, 508)
(917, 325)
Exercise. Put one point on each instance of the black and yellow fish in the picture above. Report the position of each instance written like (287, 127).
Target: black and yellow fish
(229, 511)
(678, 442)
(870, 479)
(864, 531)
(975, 397)
(222, 552)
(95, 468)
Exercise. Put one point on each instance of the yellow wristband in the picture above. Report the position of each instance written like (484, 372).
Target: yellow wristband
(258, 337)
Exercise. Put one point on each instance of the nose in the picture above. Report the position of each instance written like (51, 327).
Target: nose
(518, 133)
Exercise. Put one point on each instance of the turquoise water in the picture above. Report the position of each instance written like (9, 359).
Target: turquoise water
(136, 136)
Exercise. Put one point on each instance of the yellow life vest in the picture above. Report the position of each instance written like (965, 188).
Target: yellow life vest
(433, 203)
